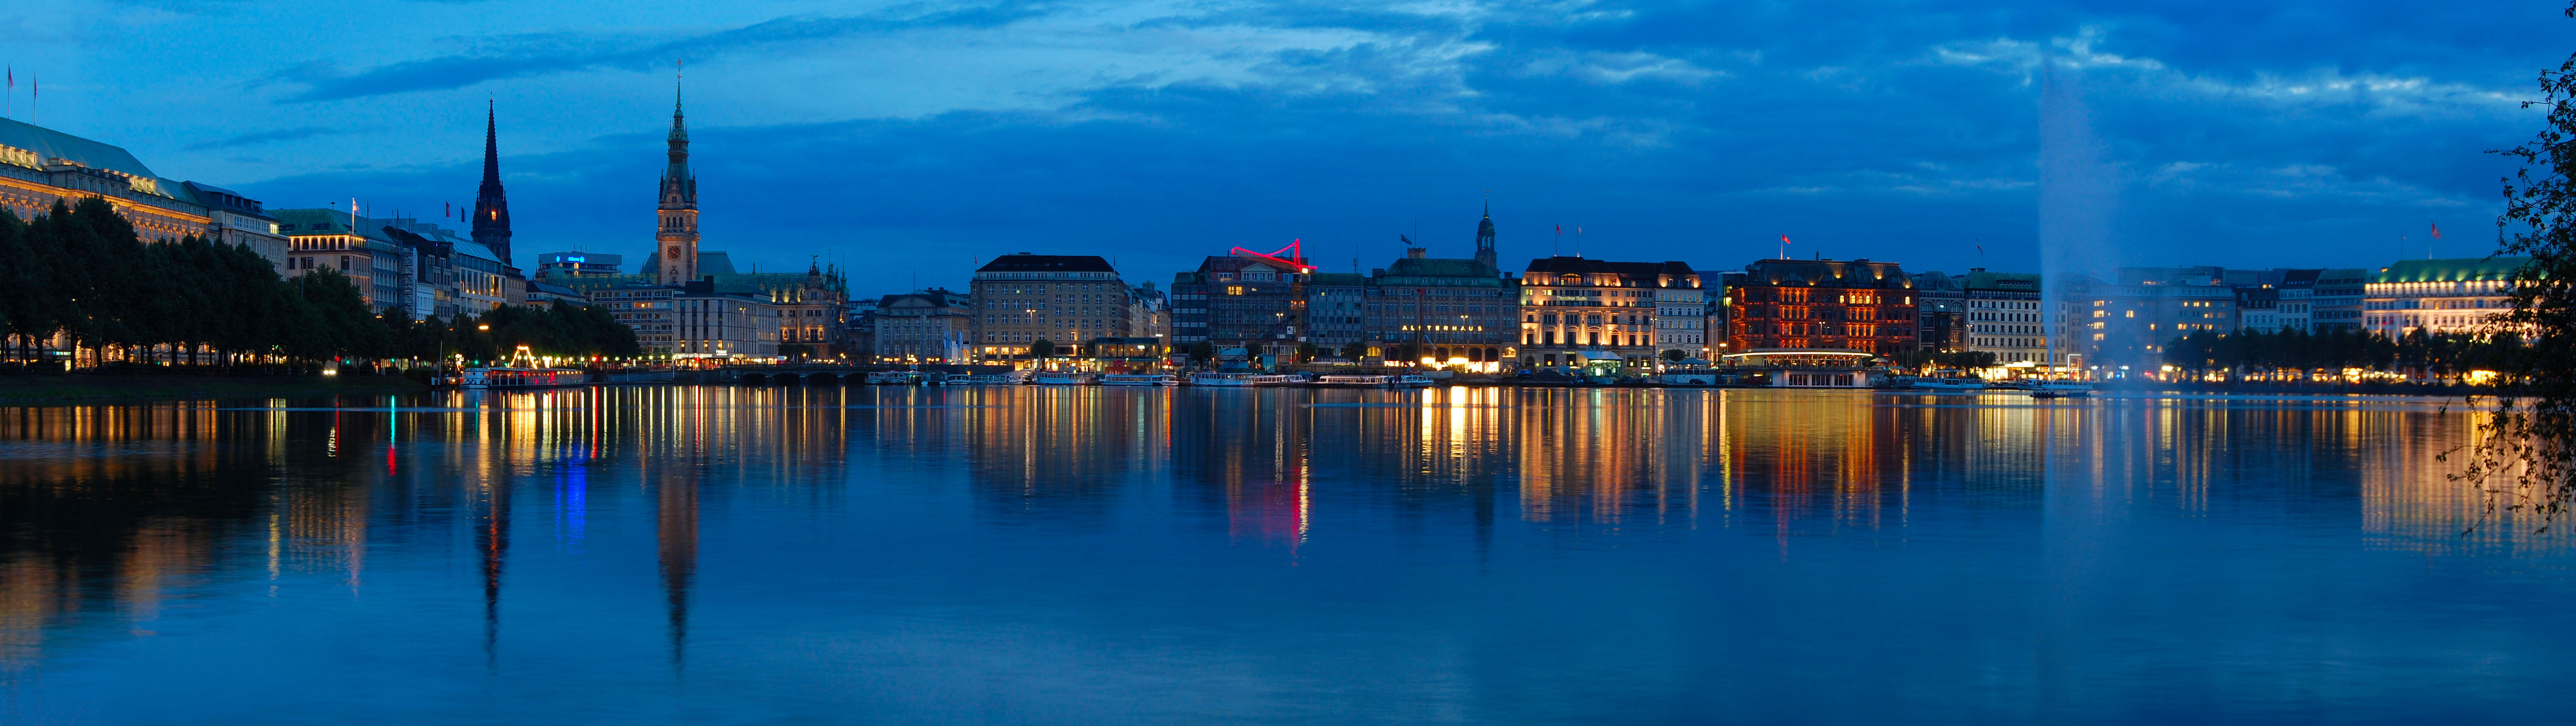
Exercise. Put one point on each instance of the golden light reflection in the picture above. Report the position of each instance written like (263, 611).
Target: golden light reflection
(124, 508)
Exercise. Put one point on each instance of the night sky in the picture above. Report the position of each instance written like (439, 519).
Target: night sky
(909, 140)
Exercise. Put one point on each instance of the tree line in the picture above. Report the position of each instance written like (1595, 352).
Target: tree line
(2437, 355)
(81, 274)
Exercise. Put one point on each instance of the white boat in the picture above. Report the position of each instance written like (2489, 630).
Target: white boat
(1352, 380)
(985, 379)
(1687, 377)
(893, 378)
(2062, 389)
(1950, 384)
(1066, 379)
(1239, 380)
(1140, 379)
(1413, 381)
(523, 377)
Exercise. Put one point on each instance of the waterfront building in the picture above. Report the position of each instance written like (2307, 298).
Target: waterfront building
(1453, 312)
(2454, 296)
(1835, 306)
(2127, 322)
(556, 265)
(40, 167)
(1024, 298)
(1577, 312)
(644, 308)
(1719, 316)
(2298, 303)
(491, 209)
(443, 274)
(542, 294)
(2338, 300)
(1940, 312)
(1151, 316)
(930, 326)
(1254, 303)
(339, 240)
(861, 330)
(1335, 323)
(711, 320)
(401, 263)
(1681, 321)
(2258, 309)
(2005, 316)
(240, 221)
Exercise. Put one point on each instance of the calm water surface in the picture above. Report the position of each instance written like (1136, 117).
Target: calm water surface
(1100, 555)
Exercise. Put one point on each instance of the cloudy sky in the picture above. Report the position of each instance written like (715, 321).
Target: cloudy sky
(909, 140)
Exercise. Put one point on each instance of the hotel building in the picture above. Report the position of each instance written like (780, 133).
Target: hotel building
(40, 167)
(1857, 306)
(1580, 312)
(1065, 300)
(2438, 296)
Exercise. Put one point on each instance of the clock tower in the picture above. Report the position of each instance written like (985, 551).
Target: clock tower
(677, 240)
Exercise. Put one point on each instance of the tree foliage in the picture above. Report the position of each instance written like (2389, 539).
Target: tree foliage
(2526, 455)
(81, 271)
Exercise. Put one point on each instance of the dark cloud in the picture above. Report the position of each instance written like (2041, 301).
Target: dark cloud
(266, 137)
(1690, 131)
(554, 54)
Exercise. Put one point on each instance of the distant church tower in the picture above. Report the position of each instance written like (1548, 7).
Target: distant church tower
(1485, 239)
(678, 237)
(491, 210)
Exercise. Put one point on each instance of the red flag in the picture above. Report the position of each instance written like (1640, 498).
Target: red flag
(1560, 229)
(446, 209)
(1784, 239)
(2437, 231)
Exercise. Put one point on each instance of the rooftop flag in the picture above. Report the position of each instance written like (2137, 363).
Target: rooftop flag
(2437, 230)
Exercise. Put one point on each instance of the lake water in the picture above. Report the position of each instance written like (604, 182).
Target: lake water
(1134, 556)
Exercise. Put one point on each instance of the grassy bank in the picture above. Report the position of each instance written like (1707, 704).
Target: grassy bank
(39, 388)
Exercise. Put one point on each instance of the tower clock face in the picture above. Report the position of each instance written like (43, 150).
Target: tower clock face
(671, 254)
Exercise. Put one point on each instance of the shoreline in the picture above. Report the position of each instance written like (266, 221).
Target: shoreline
(40, 388)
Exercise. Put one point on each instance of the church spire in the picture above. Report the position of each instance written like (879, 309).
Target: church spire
(491, 208)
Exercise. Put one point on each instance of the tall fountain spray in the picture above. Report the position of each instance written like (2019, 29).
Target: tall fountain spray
(2082, 545)
(2078, 191)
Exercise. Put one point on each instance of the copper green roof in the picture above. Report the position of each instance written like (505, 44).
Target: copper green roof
(2467, 269)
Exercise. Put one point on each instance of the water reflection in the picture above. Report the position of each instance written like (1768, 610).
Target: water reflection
(113, 513)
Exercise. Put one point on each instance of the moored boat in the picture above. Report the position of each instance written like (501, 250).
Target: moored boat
(1239, 380)
(1351, 380)
(2062, 389)
(1950, 384)
(1140, 379)
(1066, 379)
(523, 377)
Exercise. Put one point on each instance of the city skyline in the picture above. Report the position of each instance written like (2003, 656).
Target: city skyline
(1340, 131)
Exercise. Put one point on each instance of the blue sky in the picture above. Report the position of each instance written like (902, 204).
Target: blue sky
(909, 140)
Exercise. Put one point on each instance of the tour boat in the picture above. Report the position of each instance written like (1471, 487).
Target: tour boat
(1950, 384)
(2062, 389)
(524, 377)
(1140, 379)
(1349, 380)
(1413, 382)
(985, 379)
(1240, 380)
(1066, 379)
(892, 378)
(1687, 377)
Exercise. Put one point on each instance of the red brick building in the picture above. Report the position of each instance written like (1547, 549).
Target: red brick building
(1857, 305)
